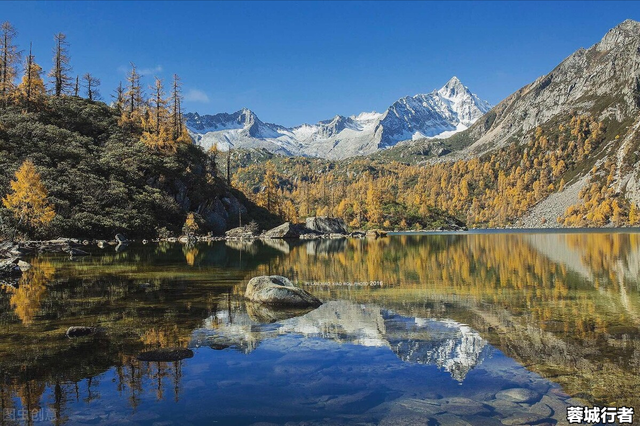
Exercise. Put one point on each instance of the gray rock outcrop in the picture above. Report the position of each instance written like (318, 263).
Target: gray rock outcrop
(24, 266)
(276, 290)
(287, 230)
(602, 81)
(246, 232)
(375, 233)
(327, 225)
(10, 266)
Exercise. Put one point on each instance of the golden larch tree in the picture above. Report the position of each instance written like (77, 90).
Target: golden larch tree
(269, 196)
(156, 133)
(28, 200)
(190, 226)
(634, 215)
(374, 206)
(31, 90)
(132, 100)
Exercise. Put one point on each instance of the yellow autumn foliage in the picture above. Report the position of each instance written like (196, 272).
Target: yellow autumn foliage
(31, 88)
(190, 226)
(494, 190)
(28, 200)
(26, 299)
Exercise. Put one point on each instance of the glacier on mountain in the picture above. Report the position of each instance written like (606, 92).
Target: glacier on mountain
(438, 114)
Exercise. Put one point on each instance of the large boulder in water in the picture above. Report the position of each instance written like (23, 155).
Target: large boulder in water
(327, 225)
(276, 290)
(287, 230)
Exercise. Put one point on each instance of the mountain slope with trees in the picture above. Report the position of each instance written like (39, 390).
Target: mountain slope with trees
(129, 167)
(578, 128)
(602, 82)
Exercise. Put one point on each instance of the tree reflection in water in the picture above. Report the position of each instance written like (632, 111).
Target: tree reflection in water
(27, 298)
(564, 305)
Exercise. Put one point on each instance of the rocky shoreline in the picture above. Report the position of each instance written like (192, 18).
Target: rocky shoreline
(13, 253)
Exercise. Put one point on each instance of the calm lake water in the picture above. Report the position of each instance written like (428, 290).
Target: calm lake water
(457, 329)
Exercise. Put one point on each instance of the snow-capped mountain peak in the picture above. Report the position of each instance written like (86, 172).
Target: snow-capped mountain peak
(454, 89)
(438, 114)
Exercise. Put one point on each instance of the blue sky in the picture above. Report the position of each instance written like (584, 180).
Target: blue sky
(296, 62)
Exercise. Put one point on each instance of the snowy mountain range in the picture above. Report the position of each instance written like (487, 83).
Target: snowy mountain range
(438, 114)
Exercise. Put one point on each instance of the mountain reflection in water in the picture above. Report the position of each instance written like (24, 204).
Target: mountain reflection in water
(452, 346)
(453, 321)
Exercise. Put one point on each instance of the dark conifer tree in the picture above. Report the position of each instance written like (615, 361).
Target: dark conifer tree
(91, 85)
(9, 60)
(60, 72)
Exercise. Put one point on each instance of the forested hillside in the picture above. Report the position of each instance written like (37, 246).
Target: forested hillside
(567, 145)
(128, 167)
(493, 190)
(131, 166)
(363, 193)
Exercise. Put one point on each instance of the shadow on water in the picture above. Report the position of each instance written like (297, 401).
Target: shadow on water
(414, 326)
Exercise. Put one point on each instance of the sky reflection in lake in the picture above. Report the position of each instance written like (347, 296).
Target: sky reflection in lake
(482, 328)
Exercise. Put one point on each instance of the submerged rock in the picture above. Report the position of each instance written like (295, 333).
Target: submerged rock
(464, 407)
(519, 395)
(451, 420)
(165, 355)
(279, 291)
(266, 315)
(524, 419)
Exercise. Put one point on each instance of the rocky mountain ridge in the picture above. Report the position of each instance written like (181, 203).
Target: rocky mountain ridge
(603, 81)
(435, 115)
(600, 85)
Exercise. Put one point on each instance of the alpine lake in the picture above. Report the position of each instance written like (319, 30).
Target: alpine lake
(478, 328)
